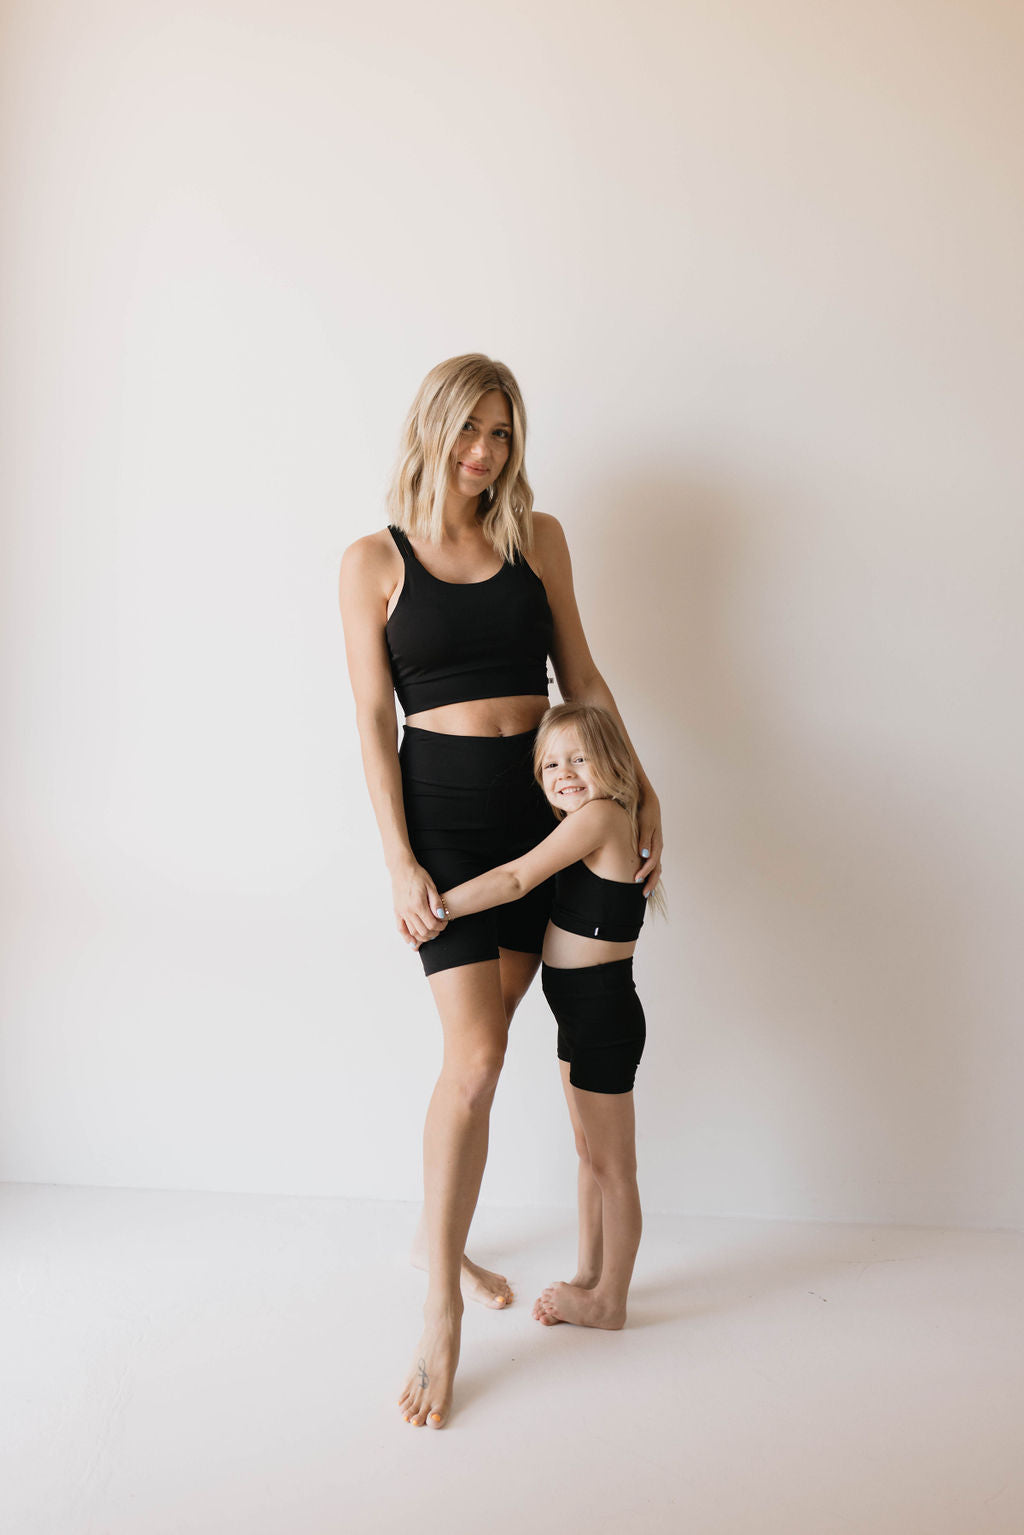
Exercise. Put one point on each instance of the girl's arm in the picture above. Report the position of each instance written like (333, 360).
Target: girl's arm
(579, 680)
(364, 589)
(579, 835)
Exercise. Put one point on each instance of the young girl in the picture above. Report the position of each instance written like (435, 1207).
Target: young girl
(586, 771)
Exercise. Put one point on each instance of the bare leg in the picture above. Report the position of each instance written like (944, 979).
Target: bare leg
(470, 1002)
(482, 1285)
(588, 1198)
(609, 1126)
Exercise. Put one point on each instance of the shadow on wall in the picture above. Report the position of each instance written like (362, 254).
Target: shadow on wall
(826, 944)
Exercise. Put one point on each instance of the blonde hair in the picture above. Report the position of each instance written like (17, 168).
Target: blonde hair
(611, 762)
(420, 483)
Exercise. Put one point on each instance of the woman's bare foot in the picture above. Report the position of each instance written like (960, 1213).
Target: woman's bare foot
(573, 1303)
(542, 1313)
(427, 1397)
(479, 1284)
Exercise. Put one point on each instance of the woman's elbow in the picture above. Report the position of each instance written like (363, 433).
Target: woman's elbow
(377, 722)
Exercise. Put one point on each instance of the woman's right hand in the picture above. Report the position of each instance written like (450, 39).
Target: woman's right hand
(416, 903)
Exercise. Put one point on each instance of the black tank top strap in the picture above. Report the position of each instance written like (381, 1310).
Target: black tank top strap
(404, 546)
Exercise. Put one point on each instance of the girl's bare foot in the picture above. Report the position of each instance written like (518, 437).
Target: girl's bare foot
(479, 1284)
(587, 1308)
(427, 1397)
(542, 1312)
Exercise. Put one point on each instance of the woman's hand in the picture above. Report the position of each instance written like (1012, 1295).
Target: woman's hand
(416, 903)
(651, 842)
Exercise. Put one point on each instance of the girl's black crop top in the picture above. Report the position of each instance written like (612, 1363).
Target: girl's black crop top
(594, 907)
(448, 643)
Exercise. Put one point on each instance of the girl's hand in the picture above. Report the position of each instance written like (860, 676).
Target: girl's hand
(651, 842)
(416, 903)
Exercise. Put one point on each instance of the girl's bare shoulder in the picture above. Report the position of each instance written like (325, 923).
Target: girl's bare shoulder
(617, 857)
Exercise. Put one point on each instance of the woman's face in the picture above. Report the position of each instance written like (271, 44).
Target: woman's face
(482, 449)
(567, 777)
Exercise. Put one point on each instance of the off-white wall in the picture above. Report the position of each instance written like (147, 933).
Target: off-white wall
(757, 269)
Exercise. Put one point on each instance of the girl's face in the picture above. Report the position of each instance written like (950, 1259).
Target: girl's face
(482, 449)
(567, 776)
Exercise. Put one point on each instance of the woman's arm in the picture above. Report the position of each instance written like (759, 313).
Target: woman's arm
(579, 680)
(363, 594)
(579, 835)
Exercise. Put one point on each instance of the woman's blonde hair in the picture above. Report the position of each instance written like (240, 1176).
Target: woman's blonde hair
(611, 762)
(420, 483)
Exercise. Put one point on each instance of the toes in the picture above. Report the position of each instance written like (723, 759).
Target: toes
(436, 1417)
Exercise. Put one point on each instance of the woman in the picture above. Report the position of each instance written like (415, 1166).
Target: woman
(456, 606)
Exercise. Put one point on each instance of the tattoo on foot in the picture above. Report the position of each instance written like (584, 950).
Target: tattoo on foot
(421, 1365)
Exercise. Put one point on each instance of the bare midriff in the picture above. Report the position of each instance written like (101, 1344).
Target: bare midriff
(570, 951)
(483, 716)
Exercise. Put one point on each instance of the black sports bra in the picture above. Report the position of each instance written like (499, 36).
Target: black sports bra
(594, 907)
(450, 642)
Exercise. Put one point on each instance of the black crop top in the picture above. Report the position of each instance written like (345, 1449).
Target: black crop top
(594, 907)
(450, 642)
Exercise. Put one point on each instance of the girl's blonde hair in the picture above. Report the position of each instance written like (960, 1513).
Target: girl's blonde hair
(611, 762)
(420, 483)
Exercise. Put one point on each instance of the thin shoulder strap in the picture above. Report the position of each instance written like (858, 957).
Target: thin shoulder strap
(400, 539)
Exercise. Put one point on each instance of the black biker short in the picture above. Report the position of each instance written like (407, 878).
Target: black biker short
(472, 802)
(601, 1026)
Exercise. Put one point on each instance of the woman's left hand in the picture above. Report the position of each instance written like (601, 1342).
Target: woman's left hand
(651, 842)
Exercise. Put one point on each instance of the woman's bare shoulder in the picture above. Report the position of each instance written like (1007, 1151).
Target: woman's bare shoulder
(550, 551)
(371, 549)
(547, 530)
(371, 561)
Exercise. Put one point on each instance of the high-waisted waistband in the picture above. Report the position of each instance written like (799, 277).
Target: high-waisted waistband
(473, 762)
(588, 980)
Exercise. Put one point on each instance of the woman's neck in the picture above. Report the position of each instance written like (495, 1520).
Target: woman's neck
(460, 516)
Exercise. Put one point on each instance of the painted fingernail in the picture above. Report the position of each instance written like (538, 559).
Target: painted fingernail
(438, 911)
(647, 895)
(645, 852)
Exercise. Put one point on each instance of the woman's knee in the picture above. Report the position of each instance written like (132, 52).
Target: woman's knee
(613, 1170)
(474, 1075)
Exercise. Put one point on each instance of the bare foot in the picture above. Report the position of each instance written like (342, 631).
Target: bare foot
(542, 1311)
(427, 1397)
(479, 1284)
(573, 1303)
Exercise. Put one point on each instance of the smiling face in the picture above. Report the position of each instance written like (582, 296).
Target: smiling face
(567, 776)
(482, 449)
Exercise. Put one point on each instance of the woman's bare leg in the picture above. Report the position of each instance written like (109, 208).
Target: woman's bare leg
(516, 971)
(469, 1001)
(609, 1125)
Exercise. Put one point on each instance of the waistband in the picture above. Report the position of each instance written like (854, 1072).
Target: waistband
(588, 980)
(436, 737)
(470, 764)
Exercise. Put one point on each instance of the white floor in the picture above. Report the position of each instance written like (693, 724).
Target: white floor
(203, 1363)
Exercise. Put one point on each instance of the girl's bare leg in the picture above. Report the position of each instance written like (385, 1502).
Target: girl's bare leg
(609, 1126)
(471, 1003)
(588, 1199)
(516, 971)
